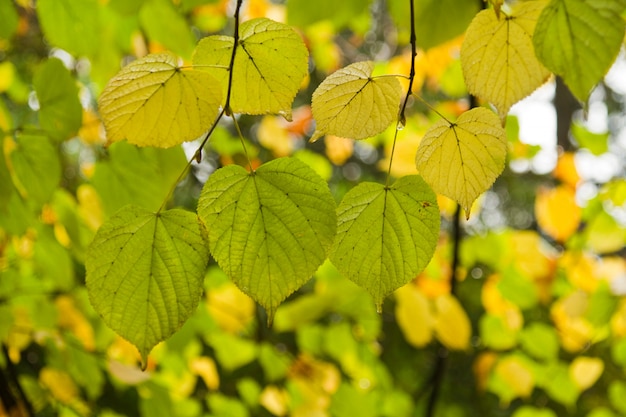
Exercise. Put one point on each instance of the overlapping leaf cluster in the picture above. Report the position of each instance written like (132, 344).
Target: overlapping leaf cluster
(272, 226)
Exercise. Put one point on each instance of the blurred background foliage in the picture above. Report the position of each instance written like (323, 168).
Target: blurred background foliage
(534, 326)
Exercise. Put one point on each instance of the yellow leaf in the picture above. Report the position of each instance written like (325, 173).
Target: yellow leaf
(275, 399)
(272, 135)
(231, 309)
(517, 376)
(566, 171)
(482, 368)
(585, 371)
(352, 104)
(498, 56)
(338, 150)
(207, 370)
(72, 319)
(414, 315)
(557, 212)
(60, 385)
(270, 64)
(91, 130)
(154, 102)
(462, 160)
(452, 326)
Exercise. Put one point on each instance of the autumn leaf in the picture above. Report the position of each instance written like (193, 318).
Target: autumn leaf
(270, 64)
(452, 326)
(498, 58)
(350, 103)
(557, 212)
(155, 102)
(461, 160)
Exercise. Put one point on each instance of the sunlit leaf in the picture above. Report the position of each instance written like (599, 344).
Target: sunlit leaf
(60, 112)
(557, 212)
(155, 102)
(270, 229)
(585, 371)
(617, 393)
(350, 103)
(461, 160)
(386, 235)
(9, 19)
(270, 64)
(559, 384)
(579, 40)
(414, 315)
(452, 325)
(145, 273)
(498, 56)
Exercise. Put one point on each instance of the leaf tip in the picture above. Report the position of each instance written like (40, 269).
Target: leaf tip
(316, 136)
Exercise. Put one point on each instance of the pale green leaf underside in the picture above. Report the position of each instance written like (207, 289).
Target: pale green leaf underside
(464, 159)
(386, 235)
(145, 273)
(269, 230)
(498, 58)
(350, 103)
(153, 102)
(579, 40)
(270, 63)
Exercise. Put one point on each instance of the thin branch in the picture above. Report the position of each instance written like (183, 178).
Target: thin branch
(401, 115)
(197, 156)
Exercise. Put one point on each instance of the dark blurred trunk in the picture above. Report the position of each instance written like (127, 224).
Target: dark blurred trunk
(565, 105)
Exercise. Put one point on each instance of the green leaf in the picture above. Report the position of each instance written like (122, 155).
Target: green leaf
(498, 58)
(529, 411)
(540, 340)
(560, 386)
(386, 235)
(145, 273)
(270, 64)
(617, 393)
(60, 111)
(9, 19)
(350, 103)
(6, 184)
(579, 40)
(139, 176)
(163, 24)
(303, 13)
(602, 305)
(436, 21)
(463, 159)
(495, 333)
(155, 102)
(596, 143)
(518, 288)
(36, 167)
(269, 230)
(70, 25)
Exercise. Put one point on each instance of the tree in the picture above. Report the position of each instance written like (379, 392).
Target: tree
(175, 200)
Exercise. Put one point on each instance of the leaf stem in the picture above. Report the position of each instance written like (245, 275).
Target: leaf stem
(431, 108)
(401, 116)
(243, 143)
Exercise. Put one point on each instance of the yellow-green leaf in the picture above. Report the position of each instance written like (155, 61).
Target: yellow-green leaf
(452, 326)
(155, 102)
(145, 273)
(414, 315)
(270, 63)
(386, 235)
(585, 371)
(498, 57)
(462, 160)
(350, 103)
(269, 230)
(579, 40)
